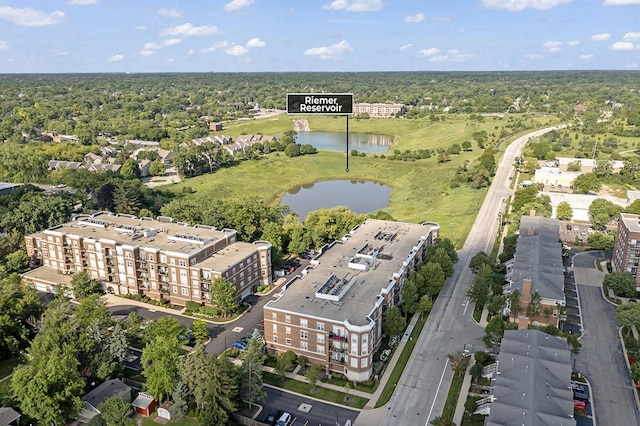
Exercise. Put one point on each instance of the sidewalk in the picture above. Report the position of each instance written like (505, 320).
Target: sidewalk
(464, 392)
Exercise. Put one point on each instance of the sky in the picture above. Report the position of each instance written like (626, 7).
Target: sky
(62, 36)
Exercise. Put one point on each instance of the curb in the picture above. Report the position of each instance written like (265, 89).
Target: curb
(335, 404)
(626, 360)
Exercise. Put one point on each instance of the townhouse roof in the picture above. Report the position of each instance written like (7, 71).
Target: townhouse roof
(106, 390)
(532, 381)
(351, 274)
(538, 257)
(163, 234)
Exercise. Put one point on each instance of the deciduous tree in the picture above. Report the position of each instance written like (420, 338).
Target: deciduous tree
(394, 322)
(160, 366)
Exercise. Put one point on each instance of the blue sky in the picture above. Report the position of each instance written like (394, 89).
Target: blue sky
(317, 35)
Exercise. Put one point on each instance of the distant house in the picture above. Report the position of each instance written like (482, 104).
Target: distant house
(92, 158)
(144, 167)
(101, 167)
(100, 394)
(8, 188)
(9, 417)
(62, 165)
(215, 127)
(144, 404)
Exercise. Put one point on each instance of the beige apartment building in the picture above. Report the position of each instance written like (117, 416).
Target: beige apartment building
(379, 110)
(332, 314)
(158, 258)
(626, 249)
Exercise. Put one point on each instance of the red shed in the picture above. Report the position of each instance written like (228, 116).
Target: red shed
(144, 404)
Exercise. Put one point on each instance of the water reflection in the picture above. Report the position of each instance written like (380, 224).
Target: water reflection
(335, 141)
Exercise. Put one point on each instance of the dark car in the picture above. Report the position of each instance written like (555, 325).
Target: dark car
(273, 417)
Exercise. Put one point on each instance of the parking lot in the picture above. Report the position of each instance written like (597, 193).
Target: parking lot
(573, 233)
(573, 321)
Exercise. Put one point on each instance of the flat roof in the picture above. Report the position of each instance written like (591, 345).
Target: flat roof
(155, 234)
(48, 275)
(631, 221)
(336, 291)
(228, 256)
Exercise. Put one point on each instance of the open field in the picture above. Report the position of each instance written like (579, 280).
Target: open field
(420, 189)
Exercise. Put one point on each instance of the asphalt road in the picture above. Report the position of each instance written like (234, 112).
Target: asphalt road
(422, 389)
(319, 414)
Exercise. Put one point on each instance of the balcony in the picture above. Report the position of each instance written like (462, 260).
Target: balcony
(336, 337)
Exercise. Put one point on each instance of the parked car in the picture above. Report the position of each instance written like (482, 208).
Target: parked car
(578, 387)
(240, 345)
(577, 405)
(284, 419)
(273, 416)
(580, 396)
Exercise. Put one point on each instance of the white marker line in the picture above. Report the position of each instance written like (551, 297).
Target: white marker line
(466, 305)
(437, 391)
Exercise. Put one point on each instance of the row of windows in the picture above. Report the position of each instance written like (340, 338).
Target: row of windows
(321, 350)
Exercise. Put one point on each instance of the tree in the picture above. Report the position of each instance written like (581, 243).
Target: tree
(574, 166)
(224, 295)
(466, 146)
(394, 322)
(409, 297)
(514, 303)
(629, 315)
(126, 197)
(199, 330)
(17, 262)
(312, 375)
(222, 392)
(479, 259)
(180, 400)
(622, 283)
(601, 241)
(602, 212)
(83, 286)
(496, 305)
(115, 411)
(160, 366)
(533, 308)
(157, 168)
(635, 372)
(564, 211)
(494, 331)
(425, 305)
(459, 362)
(117, 344)
(432, 277)
(194, 371)
(292, 150)
(130, 170)
(586, 183)
(283, 363)
(251, 387)
(167, 327)
(441, 256)
(479, 292)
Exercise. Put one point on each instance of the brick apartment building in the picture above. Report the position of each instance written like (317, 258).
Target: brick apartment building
(626, 249)
(379, 110)
(332, 315)
(537, 268)
(157, 258)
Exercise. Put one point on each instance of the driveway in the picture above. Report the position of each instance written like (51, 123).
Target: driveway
(601, 359)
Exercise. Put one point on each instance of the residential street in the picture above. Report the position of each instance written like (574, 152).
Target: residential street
(422, 390)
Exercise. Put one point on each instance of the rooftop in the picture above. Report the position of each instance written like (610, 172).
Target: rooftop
(106, 390)
(631, 221)
(532, 384)
(161, 234)
(351, 273)
(228, 256)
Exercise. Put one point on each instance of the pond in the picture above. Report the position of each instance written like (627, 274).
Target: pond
(359, 196)
(336, 141)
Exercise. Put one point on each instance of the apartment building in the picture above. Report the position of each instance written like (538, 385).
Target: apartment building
(332, 314)
(626, 248)
(379, 110)
(537, 268)
(158, 258)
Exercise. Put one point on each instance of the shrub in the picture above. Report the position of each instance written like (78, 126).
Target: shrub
(193, 306)
(480, 357)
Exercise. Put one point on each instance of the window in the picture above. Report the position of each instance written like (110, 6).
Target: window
(175, 289)
(320, 326)
(287, 330)
(127, 255)
(182, 263)
(275, 327)
(320, 349)
(288, 341)
(163, 258)
(287, 318)
(320, 338)
(304, 335)
(196, 293)
(364, 362)
(354, 362)
(274, 316)
(304, 346)
(185, 291)
(151, 257)
(173, 261)
(275, 339)
(304, 323)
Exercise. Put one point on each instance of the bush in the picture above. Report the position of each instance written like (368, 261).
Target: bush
(193, 306)
(480, 357)
(290, 356)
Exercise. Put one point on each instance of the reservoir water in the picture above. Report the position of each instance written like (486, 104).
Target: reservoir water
(359, 196)
(335, 141)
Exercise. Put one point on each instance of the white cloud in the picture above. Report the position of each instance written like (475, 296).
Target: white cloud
(171, 42)
(622, 45)
(170, 13)
(208, 49)
(586, 57)
(151, 46)
(237, 4)
(533, 56)
(116, 58)
(256, 42)
(355, 5)
(573, 43)
(140, 28)
(514, 5)
(631, 37)
(191, 52)
(4, 45)
(418, 17)
(145, 52)
(621, 2)
(452, 55)
(335, 51)
(406, 46)
(237, 50)
(82, 2)
(189, 30)
(600, 37)
(429, 52)
(553, 46)
(30, 17)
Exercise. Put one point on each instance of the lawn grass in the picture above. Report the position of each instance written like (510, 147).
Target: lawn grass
(451, 403)
(8, 365)
(324, 394)
(150, 421)
(394, 376)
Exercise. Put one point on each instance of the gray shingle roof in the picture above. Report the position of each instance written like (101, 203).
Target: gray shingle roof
(539, 257)
(531, 387)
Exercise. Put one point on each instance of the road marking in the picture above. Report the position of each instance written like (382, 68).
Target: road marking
(466, 305)
(437, 391)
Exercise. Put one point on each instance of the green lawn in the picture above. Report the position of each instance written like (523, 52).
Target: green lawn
(324, 394)
(394, 376)
(452, 397)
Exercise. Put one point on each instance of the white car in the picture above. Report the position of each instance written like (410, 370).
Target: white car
(284, 419)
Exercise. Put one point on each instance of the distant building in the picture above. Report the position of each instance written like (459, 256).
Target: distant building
(587, 165)
(8, 188)
(92, 401)
(554, 177)
(9, 417)
(531, 382)
(332, 315)
(379, 110)
(158, 258)
(215, 127)
(537, 268)
(626, 248)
